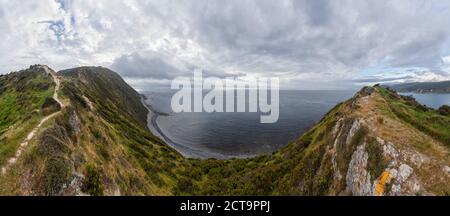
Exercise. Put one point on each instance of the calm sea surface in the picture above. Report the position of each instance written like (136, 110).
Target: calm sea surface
(431, 100)
(225, 135)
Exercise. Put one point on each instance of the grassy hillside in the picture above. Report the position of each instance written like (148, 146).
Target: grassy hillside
(112, 143)
(22, 96)
(376, 143)
(436, 123)
(98, 145)
(107, 88)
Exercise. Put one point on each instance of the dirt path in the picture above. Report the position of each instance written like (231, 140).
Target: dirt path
(33, 132)
(57, 85)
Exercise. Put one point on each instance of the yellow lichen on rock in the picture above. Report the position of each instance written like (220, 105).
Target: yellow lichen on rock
(380, 185)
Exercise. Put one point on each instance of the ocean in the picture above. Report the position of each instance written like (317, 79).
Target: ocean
(227, 135)
(431, 100)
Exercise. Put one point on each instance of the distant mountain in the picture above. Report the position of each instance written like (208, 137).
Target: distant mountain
(83, 131)
(423, 87)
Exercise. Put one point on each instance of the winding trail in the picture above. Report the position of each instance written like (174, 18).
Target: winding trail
(33, 132)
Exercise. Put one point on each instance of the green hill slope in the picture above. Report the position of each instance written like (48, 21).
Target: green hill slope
(22, 98)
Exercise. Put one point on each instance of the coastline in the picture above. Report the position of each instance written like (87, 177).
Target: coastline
(154, 128)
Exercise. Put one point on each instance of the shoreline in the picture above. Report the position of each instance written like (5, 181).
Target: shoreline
(187, 152)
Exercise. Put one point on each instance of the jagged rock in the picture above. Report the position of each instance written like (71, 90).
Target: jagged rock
(358, 179)
(336, 129)
(389, 150)
(355, 127)
(393, 173)
(75, 122)
(337, 172)
(393, 163)
(366, 91)
(404, 171)
(74, 187)
(396, 190)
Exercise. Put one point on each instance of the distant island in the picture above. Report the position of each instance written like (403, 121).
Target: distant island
(423, 87)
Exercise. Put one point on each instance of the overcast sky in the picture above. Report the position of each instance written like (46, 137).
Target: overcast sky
(308, 44)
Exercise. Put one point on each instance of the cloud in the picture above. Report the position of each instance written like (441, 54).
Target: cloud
(149, 65)
(408, 75)
(376, 79)
(299, 40)
(154, 65)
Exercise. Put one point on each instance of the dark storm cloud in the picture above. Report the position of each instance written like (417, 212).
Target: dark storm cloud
(318, 12)
(138, 65)
(155, 66)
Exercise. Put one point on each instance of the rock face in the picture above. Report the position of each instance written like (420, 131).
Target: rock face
(358, 179)
(372, 162)
(396, 176)
(404, 171)
(355, 127)
(75, 122)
